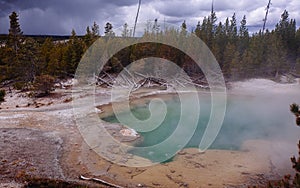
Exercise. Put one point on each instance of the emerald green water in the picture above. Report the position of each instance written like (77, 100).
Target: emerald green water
(247, 117)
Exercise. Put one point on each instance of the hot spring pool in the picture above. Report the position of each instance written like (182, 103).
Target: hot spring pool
(248, 116)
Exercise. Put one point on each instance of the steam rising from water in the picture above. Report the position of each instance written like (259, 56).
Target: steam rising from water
(266, 107)
(257, 119)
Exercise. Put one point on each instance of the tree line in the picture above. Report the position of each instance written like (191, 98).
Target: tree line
(240, 54)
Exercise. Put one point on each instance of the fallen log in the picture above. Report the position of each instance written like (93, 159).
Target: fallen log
(102, 80)
(100, 181)
(295, 74)
(141, 75)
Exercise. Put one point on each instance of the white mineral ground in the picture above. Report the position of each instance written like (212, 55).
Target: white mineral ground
(51, 120)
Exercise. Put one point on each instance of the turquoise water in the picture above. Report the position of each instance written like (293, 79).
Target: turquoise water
(247, 117)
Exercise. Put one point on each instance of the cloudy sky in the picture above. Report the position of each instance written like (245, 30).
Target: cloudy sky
(59, 17)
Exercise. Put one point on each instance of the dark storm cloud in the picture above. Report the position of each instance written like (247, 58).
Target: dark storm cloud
(68, 5)
(61, 16)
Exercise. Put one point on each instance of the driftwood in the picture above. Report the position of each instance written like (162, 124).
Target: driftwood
(100, 181)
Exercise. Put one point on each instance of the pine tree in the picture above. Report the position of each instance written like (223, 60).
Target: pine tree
(235, 66)
(282, 26)
(156, 27)
(198, 30)
(109, 30)
(243, 28)
(91, 35)
(125, 32)
(243, 42)
(45, 53)
(204, 30)
(257, 51)
(286, 29)
(2, 64)
(95, 30)
(88, 37)
(43, 85)
(58, 66)
(229, 54)
(207, 30)
(297, 38)
(74, 52)
(15, 33)
(211, 27)
(227, 27)
(233, 29)
(7, 63)
(14, 43)
(276, 56)
(219, 44)
(183, 28)
(29, 60)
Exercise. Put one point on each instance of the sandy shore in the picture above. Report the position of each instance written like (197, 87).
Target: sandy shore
(53, 116)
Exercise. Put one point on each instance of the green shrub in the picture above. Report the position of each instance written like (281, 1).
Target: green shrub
(19, 85)
(294, 108)
(43, 85)
(2, 95)
(296, 166)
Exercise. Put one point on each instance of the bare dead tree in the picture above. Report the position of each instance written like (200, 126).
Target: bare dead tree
(266, 16)
(137, 16)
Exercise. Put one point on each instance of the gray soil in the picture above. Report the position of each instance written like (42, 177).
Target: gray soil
(31, 152)
(39, 140)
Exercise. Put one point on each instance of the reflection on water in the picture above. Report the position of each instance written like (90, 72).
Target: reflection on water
(248, 116)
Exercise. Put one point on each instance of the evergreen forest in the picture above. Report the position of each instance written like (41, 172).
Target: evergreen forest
(240, 54)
